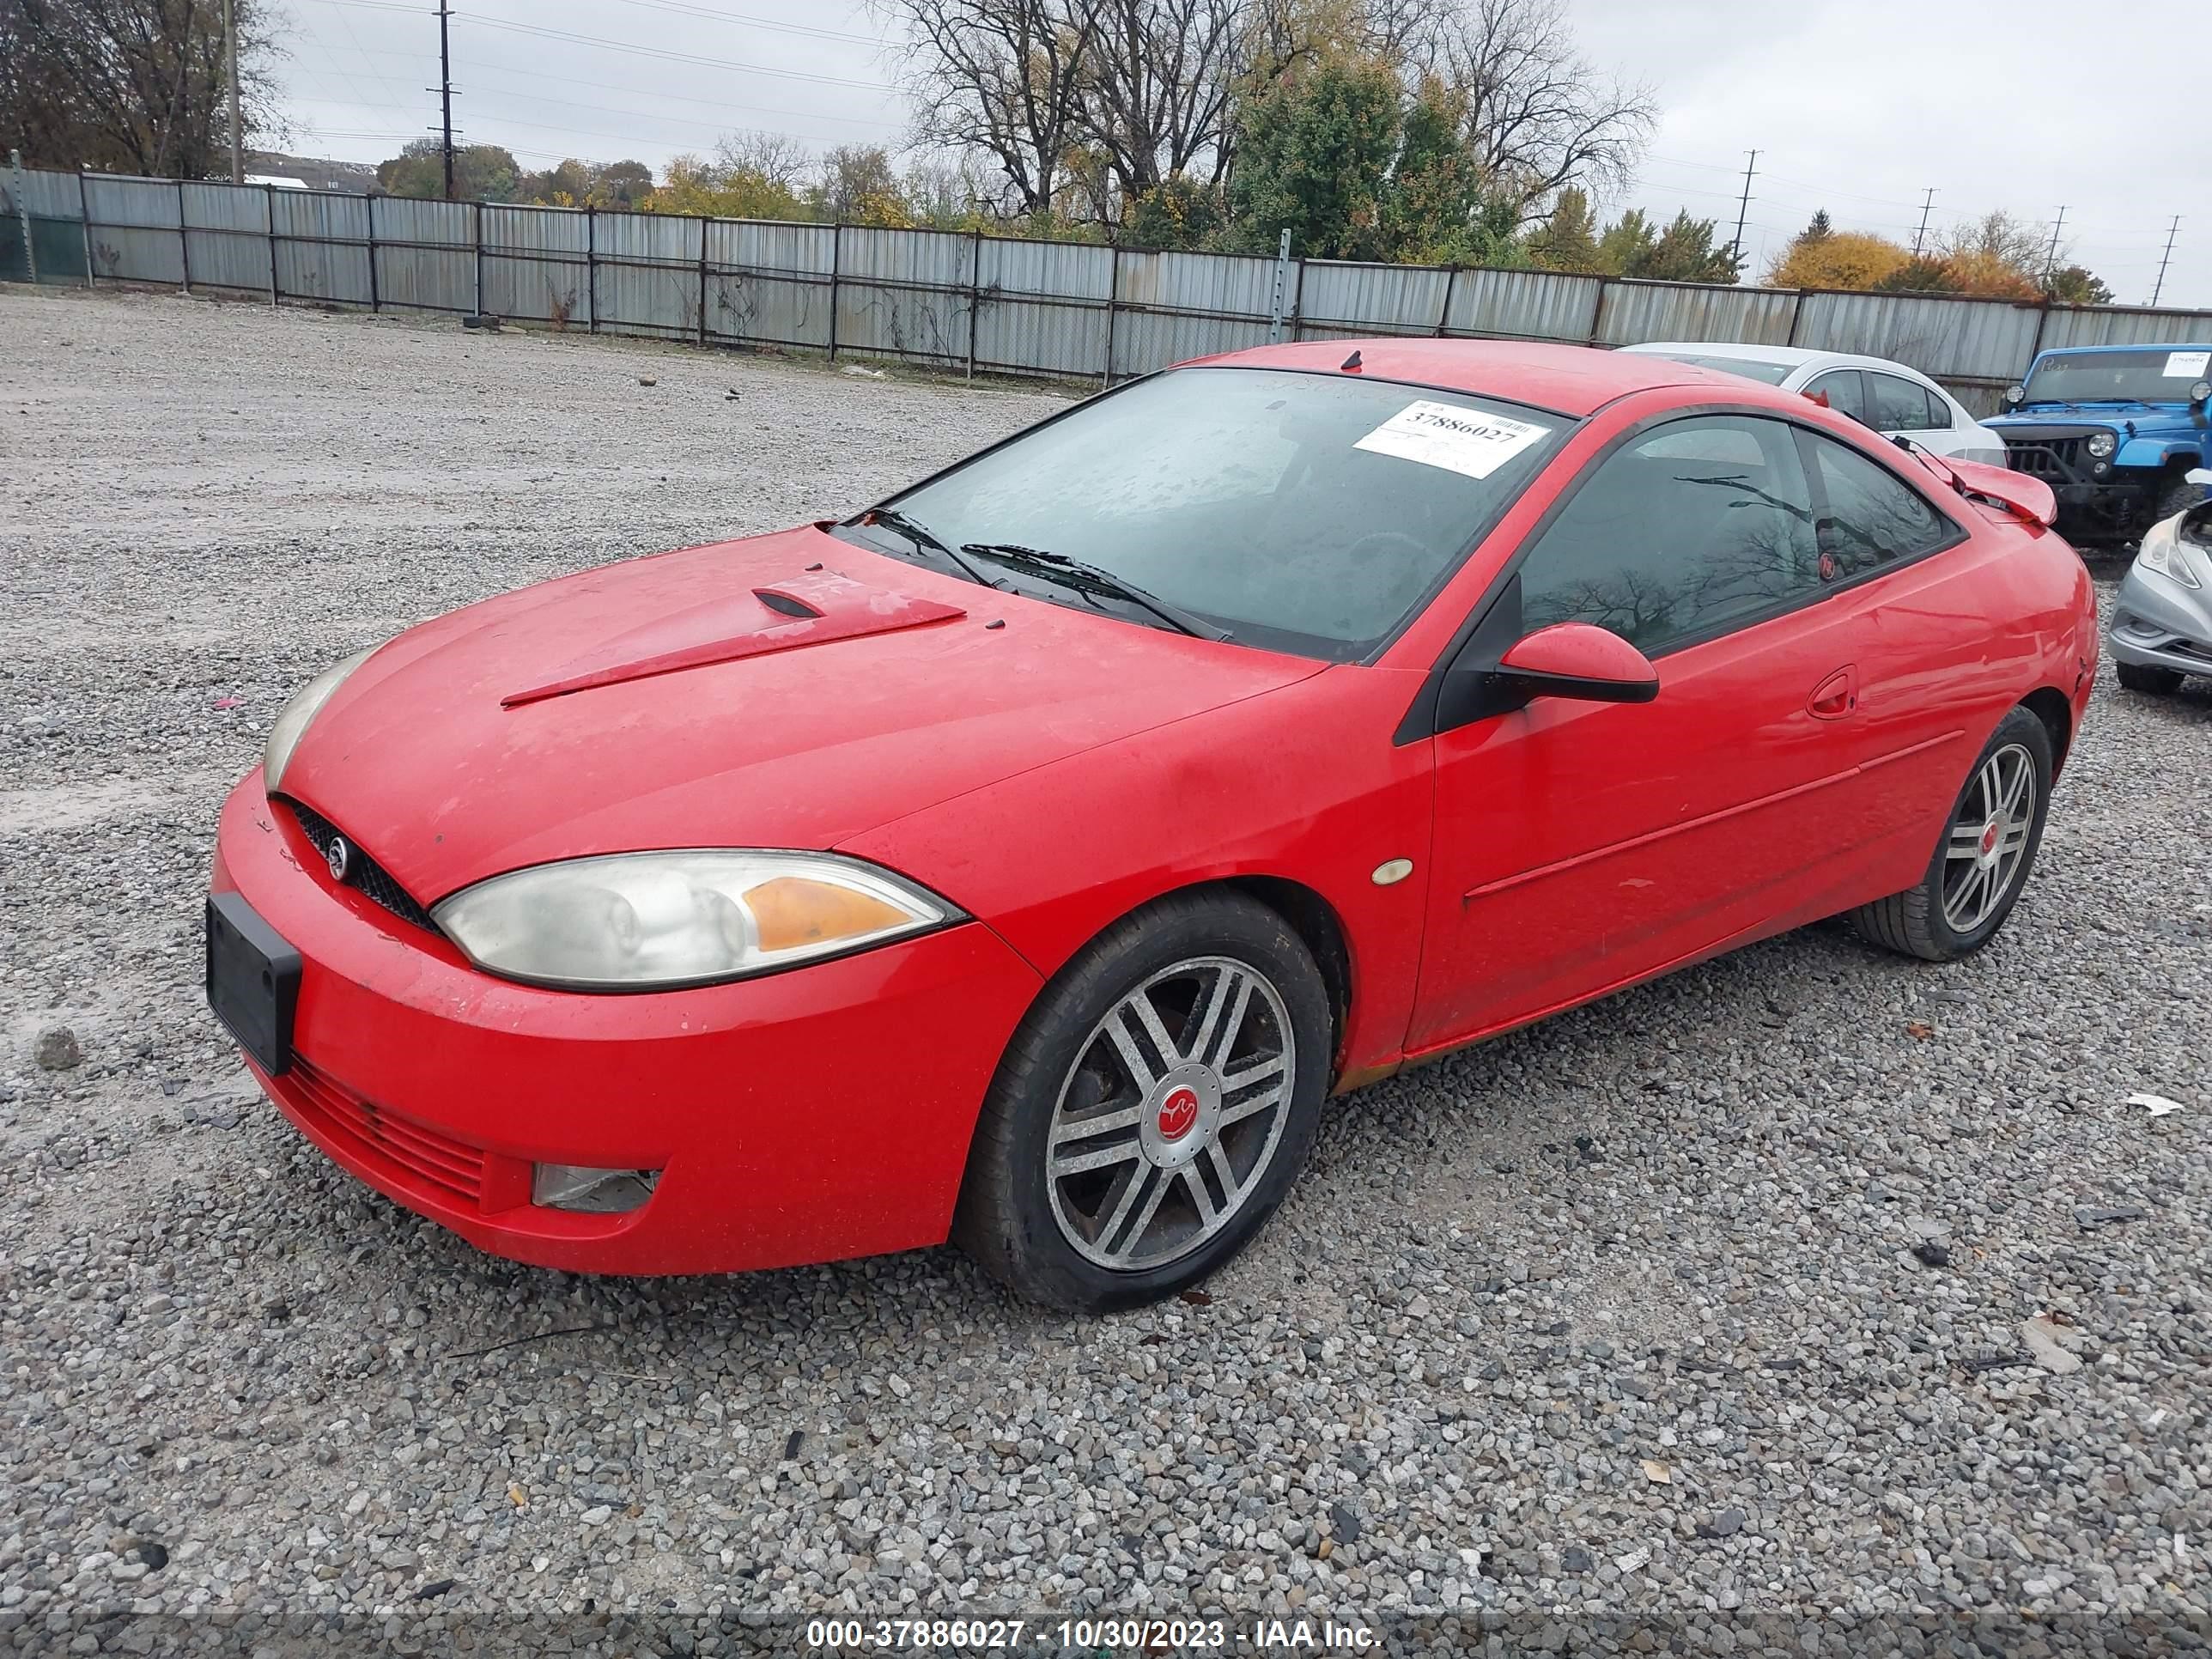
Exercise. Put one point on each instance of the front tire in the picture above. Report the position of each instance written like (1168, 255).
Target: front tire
(2148, 678)
(2176, 497)
(1983, 857)
(1153, 1108)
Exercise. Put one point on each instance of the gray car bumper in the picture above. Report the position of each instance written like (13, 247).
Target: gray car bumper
(2159, 624)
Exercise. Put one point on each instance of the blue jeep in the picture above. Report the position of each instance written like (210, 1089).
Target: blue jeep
(2114, 431)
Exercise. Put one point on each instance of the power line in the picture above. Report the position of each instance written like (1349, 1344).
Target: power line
(1921, 235)
(749, 21)
(658, 52)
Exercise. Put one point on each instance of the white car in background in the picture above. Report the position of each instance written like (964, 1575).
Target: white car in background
(1895, 401)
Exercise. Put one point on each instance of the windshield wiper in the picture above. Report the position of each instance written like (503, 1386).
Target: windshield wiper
(891, 519)
(1074, 573)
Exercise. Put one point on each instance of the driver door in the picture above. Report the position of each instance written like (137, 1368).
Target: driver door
(1582, 845)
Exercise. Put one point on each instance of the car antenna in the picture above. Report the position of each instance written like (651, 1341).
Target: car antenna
(1350, 365)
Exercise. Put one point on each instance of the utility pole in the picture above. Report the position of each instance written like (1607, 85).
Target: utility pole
(1921, 235)
(2050, 259)
(1743, 209)
(446, 87)
(2164, 259)
(230, 51)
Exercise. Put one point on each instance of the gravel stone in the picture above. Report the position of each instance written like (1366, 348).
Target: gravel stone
(1675, 1227)
(56, 1050)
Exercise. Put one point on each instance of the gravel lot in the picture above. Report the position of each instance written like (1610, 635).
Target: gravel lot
(1622, 1314)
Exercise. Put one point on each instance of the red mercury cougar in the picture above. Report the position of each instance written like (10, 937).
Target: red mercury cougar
(1024, 860)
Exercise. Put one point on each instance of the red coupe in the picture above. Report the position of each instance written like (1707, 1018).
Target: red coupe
(1024, 860)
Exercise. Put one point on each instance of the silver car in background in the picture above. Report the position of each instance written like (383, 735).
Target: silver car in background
(2162, 621)
(1895, 401)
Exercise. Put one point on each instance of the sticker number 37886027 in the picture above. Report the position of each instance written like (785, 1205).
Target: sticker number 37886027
(1458, 440)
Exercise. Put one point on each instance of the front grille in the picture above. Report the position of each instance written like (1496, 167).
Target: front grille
(366, 873)
(2050, 458)
(449, 1164)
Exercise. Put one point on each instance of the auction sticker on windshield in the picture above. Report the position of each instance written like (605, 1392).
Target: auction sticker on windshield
(2186, 364)
(1446, 436)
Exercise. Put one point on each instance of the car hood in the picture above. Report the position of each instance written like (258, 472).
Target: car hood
(789, 690)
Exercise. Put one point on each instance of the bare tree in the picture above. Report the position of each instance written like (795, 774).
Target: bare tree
(777, 158)
(1538, 117)
(133, 86)
(1156, 98)
(1003, 78)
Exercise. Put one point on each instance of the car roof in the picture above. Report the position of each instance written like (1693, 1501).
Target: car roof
(2155, 345)
(1750, 351)
(1571, 381)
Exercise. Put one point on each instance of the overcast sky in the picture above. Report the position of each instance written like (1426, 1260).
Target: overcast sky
(1859, 106)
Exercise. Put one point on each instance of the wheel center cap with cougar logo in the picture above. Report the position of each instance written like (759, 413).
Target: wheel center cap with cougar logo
(1178, 1114)
(1181, 1116)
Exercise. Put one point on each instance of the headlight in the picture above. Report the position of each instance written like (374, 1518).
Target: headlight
(640, 921)
(2101, 444)
(293, 720)
(2161, 551)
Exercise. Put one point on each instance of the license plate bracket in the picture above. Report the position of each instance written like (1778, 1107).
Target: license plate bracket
(252, 980)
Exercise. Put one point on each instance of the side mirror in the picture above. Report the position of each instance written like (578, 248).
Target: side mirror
(2014, 396)
(1579, 661)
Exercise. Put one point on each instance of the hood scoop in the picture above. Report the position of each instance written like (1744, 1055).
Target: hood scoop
(812, 609)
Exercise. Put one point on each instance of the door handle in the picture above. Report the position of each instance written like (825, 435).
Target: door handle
(1836, 695)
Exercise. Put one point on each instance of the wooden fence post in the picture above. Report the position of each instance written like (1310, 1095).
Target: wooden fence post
(478, 234)
(184, 241)
(375, 300)
(703, 223)
(1443, 314)
(269, 203)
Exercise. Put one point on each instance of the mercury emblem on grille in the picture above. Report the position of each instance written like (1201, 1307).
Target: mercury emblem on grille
(340, 858)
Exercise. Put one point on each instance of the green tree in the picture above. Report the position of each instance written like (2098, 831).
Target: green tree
(858, 186)
(1567, 239)
(1683, 252)
(620, 184)
(2076, 285)
(1180, 213)
(1819, 229)
(1920, 275)
(719, 191)
(482, 173)
(1315, 150)
(1433, 208)
(1627, 242)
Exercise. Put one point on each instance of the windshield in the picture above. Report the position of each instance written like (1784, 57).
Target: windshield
(2148, 377)
(1303, 513)
(1751, 368)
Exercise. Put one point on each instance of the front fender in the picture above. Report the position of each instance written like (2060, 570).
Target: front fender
(1303, 784)
(2161, 453)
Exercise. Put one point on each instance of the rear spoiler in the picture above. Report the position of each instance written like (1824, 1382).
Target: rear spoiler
(2025, 498)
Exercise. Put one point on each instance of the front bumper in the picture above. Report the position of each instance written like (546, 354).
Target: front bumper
(806, 1117)
(2159, 624)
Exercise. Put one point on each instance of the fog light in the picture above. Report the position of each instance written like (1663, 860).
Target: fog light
(2100, 468)
(600, 1192)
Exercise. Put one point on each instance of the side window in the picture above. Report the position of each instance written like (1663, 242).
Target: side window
(1840, 387)
(1696, 525)
(1871, 516)
(1899, 405)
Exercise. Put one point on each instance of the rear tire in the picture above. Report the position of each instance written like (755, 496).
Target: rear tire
(2148, 678)
(1152, 1107)
(1983, 855)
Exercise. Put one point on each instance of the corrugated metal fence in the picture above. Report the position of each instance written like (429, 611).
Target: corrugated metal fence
(967, 301)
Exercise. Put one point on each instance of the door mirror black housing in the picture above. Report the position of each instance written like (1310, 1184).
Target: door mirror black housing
(1582, 662)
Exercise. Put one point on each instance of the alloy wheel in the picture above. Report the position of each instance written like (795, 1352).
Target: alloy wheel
(1167, 1120)
(1988, 840)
